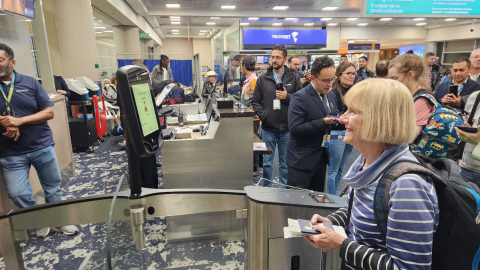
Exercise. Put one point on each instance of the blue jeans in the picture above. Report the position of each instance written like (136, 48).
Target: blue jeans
(272, 139)
(470, 176)
(16, 170)
(339, 153)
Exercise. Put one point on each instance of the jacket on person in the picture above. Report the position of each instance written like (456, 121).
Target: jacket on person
(334, 96)
(359, 76)
(265, 93)
(60, 84)
(208, 89)
(307, 127)
(468, 162)
(470, 87)
(436, 77)
(110, 94)
(157, 74)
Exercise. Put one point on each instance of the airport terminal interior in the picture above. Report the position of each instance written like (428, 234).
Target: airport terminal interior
(141, 134)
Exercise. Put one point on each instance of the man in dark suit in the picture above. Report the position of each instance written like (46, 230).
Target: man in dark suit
(466, 86)
(308, 123)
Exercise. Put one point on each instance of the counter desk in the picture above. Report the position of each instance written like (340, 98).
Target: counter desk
(221, 159)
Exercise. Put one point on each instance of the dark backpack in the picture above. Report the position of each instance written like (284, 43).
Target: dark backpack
(177, 92)
(456, 243)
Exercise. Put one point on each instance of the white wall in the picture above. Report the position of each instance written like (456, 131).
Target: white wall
(178, 46)
(203, 47)
(15, 33)
(453, 33)
(53, 46)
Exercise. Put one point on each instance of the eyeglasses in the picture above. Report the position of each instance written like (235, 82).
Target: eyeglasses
(327, 81)
(2, 60)
(349, 73)
(277, 57)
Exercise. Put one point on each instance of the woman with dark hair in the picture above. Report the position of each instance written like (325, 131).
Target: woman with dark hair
(339, 151)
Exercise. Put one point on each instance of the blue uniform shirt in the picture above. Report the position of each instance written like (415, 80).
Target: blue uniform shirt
(28, 98)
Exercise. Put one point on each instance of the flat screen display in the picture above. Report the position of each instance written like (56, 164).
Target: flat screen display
(145, 108)
(259, 38)
(418, 50)
(441, 8)
(21, 7)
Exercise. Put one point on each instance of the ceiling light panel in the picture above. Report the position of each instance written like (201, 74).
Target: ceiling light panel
(253, 19)
(277, 24)
(326, 19)
(309, 24)
(280, 7)
(362, 24)
(228, 7)
(386, 19)
(352, 19)
(173, 5)
(330, 8)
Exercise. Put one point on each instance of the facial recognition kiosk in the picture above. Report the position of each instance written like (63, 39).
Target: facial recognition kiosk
(250, 217)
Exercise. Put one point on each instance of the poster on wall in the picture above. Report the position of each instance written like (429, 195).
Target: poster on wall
(21, 7)
(434, 8)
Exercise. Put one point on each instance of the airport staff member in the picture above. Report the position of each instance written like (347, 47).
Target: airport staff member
(162, 72)
(26, 138)
(308, 123)
(209, 87)
(466, 86)
(270, 102)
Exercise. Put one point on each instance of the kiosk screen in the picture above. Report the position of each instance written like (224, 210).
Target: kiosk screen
(145, 108)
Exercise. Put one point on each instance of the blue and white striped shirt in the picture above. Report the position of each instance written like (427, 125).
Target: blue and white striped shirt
(412, 220)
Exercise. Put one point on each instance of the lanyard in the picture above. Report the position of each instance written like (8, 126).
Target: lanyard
(276, 78)
(7, 100)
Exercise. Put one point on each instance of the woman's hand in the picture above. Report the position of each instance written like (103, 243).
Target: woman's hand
(319, 219)
(326, 240)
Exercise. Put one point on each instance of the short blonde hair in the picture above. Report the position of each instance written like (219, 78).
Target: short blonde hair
(387, 109)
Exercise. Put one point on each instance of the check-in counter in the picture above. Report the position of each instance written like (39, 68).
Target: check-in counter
(63, 150)
(220, 159)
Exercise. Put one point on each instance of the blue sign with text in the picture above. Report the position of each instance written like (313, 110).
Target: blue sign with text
(312, 38)
(422, 7)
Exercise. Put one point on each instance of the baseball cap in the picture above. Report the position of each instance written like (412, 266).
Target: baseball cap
(248, 61)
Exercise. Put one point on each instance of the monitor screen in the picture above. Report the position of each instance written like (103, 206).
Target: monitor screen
(418, 50)
(21, 7)
(145, 108)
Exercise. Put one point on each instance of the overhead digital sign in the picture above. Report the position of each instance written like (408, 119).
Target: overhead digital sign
(301, 39)
(434, 8)
(418, 50)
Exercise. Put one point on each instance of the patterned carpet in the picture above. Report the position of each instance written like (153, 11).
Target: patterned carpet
(98, 173)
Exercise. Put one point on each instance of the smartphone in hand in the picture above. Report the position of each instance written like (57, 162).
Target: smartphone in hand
(454, 90)
(337, 118)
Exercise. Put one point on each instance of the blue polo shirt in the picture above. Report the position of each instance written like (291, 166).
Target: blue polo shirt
(28, 98)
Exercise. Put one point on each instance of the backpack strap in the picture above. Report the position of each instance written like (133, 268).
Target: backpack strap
(428, 96)
(474, 109)
(382, 193)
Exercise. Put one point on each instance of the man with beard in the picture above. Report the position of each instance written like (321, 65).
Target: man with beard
(270, 102)
(363, 72)
(26, 138)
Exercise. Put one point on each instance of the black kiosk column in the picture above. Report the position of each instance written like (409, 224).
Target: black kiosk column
(142, 127)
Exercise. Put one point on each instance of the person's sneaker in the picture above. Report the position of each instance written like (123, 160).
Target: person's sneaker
(42, 232)
(67, 230)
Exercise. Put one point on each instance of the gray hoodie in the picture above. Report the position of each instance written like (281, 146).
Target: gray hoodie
(468, 162)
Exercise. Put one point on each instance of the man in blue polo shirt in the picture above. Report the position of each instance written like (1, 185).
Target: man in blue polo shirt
(26, 138)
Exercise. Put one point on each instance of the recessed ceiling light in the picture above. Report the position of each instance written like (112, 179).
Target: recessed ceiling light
(362, 24)
(291, 19)
(100, 20)
(176, 33)
(361, 40)
(253, 18)
(100, 27)
(175, 22)
(420, 24)
(108, 31)
(210, 23)
(419, 19)
(173, 5)
(352, 19)
(201, 34)
(175, 30)
(245, 23)
(309, 24)
(386, 19)
(351, 41)
(174, 17)
(332, 24)
(28, 20)
(228, 7)
(329, 8)
(171, 19)
(371, 40)
(277, 24)
(450, 19)
(326, 19)
(215, 18)
(203, 31)
(98, 32)
(213, 30)
(4, 14)
(280, 7)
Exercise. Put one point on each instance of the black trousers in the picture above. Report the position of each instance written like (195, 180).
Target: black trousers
(313, 179)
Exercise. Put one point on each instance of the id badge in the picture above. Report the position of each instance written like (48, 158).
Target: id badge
(326, 140)
(276, 104)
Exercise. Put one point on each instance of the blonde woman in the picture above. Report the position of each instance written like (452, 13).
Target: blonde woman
(380, 123)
